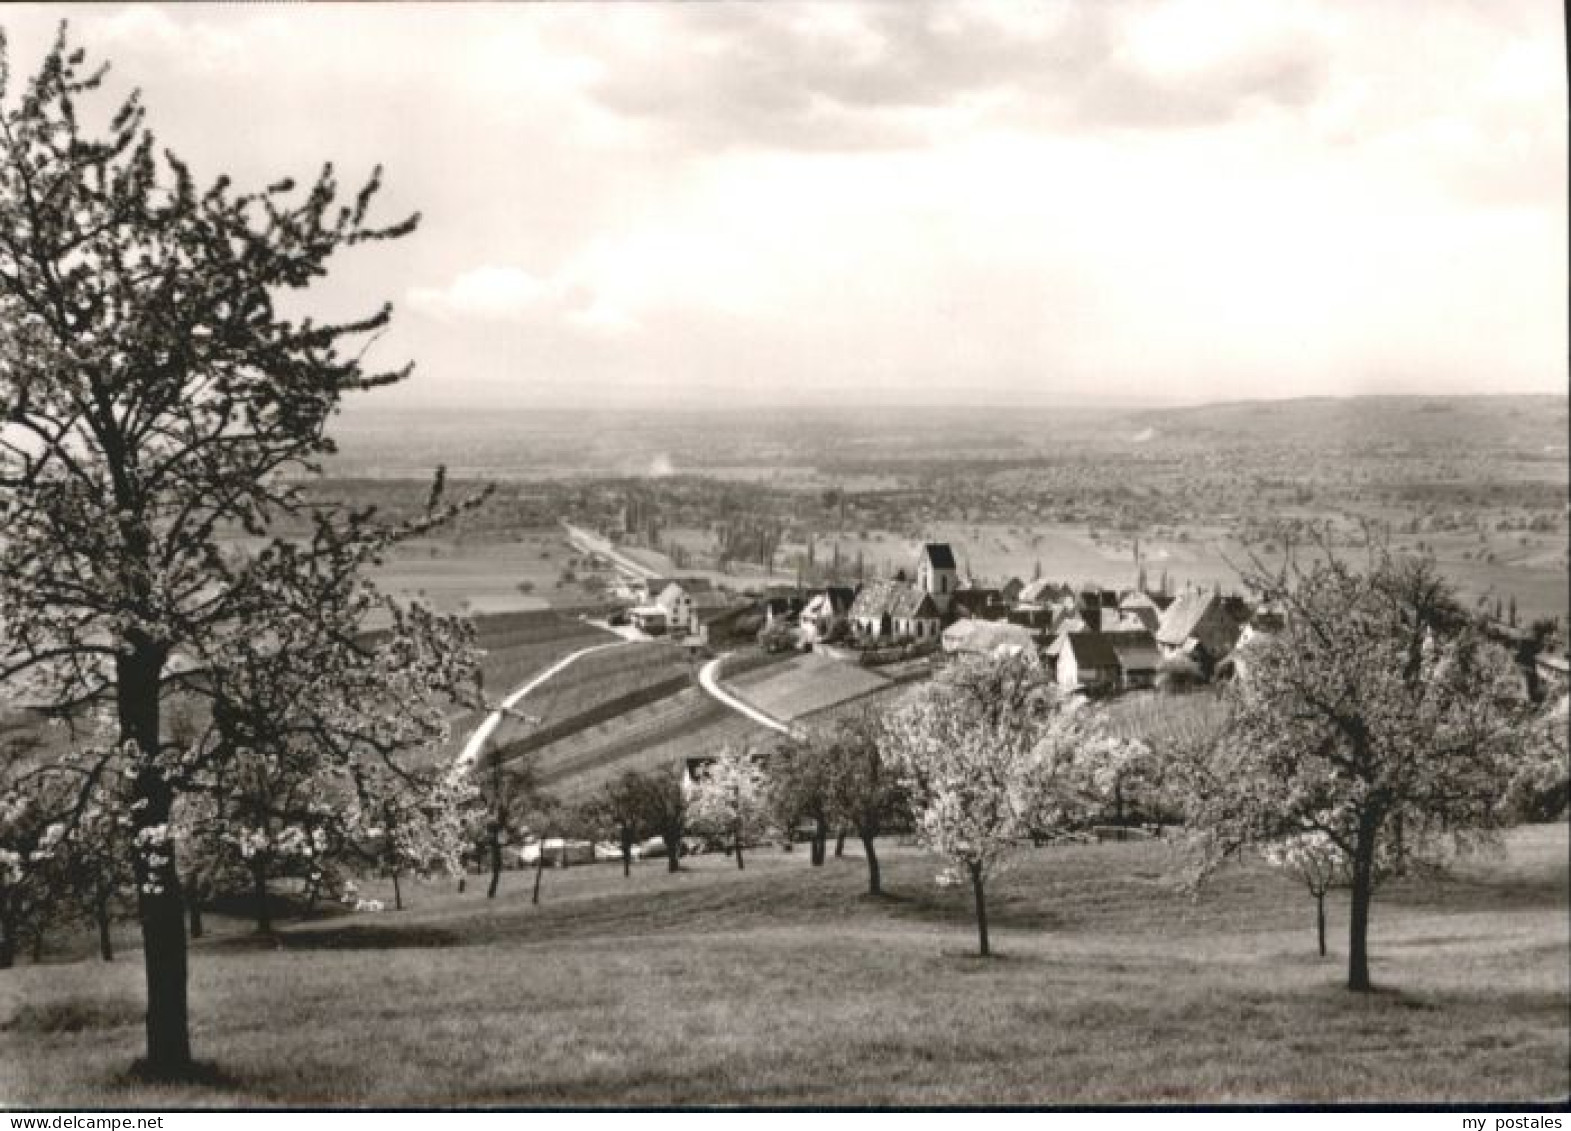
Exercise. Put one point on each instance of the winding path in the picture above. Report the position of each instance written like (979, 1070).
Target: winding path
(477, 739)
(708, 680)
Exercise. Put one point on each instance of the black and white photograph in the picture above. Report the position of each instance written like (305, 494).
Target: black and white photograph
(816, 554)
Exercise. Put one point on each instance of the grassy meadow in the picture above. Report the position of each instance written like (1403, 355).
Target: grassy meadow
(787, 985)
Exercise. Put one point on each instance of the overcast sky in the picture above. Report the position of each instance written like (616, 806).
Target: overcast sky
(976, 203)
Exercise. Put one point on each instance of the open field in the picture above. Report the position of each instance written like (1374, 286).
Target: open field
(784, 985)
(804, 685)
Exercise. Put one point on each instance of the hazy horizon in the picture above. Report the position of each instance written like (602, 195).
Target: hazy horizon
(1135, 204)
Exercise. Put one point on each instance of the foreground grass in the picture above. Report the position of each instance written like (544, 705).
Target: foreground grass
(785, 985)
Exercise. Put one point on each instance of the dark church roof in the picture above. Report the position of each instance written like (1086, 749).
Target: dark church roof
(939, 555)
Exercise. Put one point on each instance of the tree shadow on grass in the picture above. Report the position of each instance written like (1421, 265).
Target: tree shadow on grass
(940, 905)
(351, 936)
(201, 1074)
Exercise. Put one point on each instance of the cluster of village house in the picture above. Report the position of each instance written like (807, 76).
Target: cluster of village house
(1096, 640)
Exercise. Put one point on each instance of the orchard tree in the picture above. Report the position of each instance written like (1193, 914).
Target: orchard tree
(154, 401)
(1315, 861)
(504, 792)
(1379, 717)
(731, 798)
(616, 813)
(412, 823)
(988, 751)
(662, 806)
(799, 777)
(97, 858)
(35, 808)
(545, 818)
(864, 789)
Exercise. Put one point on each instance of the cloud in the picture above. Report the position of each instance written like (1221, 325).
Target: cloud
(1032, 198)
(489, 293)
(506, 294)
(817, 77)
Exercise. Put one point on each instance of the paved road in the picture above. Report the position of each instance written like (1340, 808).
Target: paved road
(709, 682)
(593, 544)
(477, 740)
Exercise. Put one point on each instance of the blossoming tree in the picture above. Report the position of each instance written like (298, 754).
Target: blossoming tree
(989, 752)
(731, 798)
(1379, 719)
(155, 400)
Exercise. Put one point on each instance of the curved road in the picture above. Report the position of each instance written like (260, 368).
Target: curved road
(477, 740)
(708, 681)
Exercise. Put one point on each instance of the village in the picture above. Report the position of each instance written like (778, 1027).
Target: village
(1097, 641)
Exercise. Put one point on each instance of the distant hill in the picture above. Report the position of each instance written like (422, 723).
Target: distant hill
(1517, 423)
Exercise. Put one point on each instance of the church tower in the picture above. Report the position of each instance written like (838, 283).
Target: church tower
(936, 573)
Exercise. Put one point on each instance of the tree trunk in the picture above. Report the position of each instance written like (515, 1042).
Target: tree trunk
(398, 894)
(875, 884)
(820, 845)
(673, 854)
(1358, 927)
(161, 910)
(1320, 920)
(38, 945)
(193, 910)
(7, 945)
(463, 881)
(627, 852)
(840, 844)
(738, 842)
(264, 916)
(106, 945)
(980, 895)
(160, 907)
(539, 872)
(496, 865)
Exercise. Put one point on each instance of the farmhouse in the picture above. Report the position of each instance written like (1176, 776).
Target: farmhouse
(678, 605)
(1042, 594)
(1087, 663)
(983, 604)
(1137, 655)
(826, 613)
(650, 588)
(1197, 619)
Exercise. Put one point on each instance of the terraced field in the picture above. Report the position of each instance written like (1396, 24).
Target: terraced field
(682, 725)
(517, 645)
(805, 685)
(594, 689)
